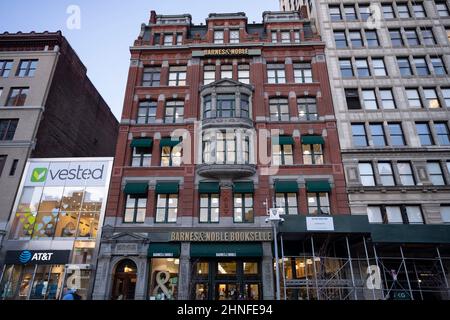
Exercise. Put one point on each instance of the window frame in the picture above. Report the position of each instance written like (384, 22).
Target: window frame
(209, 207)
(135, 208)
(243, 207)
(166, 208)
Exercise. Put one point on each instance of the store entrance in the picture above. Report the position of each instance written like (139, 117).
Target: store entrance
(226, 279)
(125, 278)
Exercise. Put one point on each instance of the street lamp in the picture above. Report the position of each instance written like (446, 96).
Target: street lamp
(275, 219)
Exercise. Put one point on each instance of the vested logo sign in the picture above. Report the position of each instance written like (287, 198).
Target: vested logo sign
(39, 175)
(25, 256)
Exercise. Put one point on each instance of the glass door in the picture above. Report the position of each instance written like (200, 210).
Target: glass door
(227, 291)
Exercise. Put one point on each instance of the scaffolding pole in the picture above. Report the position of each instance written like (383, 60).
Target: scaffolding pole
(406, 273)
(282, 263)
(368, 265)
(314, 267)
(351, 267)
(443, 271)
(418, 280)
(376, 261)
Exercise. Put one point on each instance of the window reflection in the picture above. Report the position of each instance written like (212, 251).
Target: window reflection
(226, 268)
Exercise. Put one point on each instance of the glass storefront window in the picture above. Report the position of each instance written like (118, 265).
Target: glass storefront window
(250, 268)
(78, 279)
(164, 279)
(88, 225)
(93, 199)
(202, 268)
(10, 282)
(226, 268)
(49, 206)
(25, 283)
(25, 216)
(251, 291)
(201, 291)
(83, 252)
(72, 198)
(29, 202)
(47, 281)
(67, 224)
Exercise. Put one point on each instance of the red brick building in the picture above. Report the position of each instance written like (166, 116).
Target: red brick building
(220, 122)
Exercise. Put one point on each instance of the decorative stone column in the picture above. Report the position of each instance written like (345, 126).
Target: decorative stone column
(184, 275)
(142, 277)
(267, 272)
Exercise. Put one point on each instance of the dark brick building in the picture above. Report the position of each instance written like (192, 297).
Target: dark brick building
(220, 122)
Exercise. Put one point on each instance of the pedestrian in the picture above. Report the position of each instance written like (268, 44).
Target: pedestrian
(72, 295)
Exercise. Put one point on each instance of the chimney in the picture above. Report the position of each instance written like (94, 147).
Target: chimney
(303, 12)
(153, 17)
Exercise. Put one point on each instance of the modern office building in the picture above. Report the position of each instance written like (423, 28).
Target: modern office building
(221, 122)
(388, 67)
(53, 234)
(48, 108)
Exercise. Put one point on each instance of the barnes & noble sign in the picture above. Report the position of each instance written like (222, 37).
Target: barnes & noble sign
(221, 236)
(226, 52)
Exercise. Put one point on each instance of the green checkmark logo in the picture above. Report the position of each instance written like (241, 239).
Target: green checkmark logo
(39, 175)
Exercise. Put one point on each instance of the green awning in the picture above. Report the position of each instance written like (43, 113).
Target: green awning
(209, 187)
(313, 140)
(243, 187)
(142, 143)
(286, 186)
(318, 186)
(168, 142)
(166, 187)
(283, 140)
(164, 250)
(226, 250)
(136, 188)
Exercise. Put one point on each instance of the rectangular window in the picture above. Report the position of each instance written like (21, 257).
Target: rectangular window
(435, 173)
(226, 71)
(438, 66)
(8, 129)
(142, 157)
(285, 37)
(135, 209)
(171, 156)
(359, 135)
(147, 112)
(406, 174)
(396, 134)
(387, 99)
(374, 214)
(166, 208)
(282, 154)
(218, 37)
(394, 215)
(404, 66)
(312, 154)
(274, 37)
(27, 68)
(5, 68)
(411, 37)
(369, 99)
(346, 68)
(209, 74)
(352, 99)
(234, 36)
(174, 112)
(366, 174)
(403, 11)
(243, 208)
(428, 37)
(225, 148)
(396, 38)
(13, 169)
(318, 203)
(226, 105)
(421, 66)
(372, 38)
(302, 73)
(445, 213)
(419, 10)
(350, 13)
(2, 164)
(414, 214)
(151, 77)
(168, 39)
(386, 174)
(279, 110)
(378, 137)
(297, 36)
(244, 73)
(442, 133)
(413, 98)
(355, 39)
(379, 68)
(335, 13)
(288, 202)
(442, 9)
(179, 39)
(446, 95)
(423, 131)
(340, 39)
(364, 12)
(209, 208)
(276, 73)
(17, 97)
(388, 11)
(177, 76)
(362, 68)
(431, 98)
(307, 109)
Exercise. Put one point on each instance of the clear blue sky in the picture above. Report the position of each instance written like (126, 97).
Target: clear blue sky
(108, 28)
